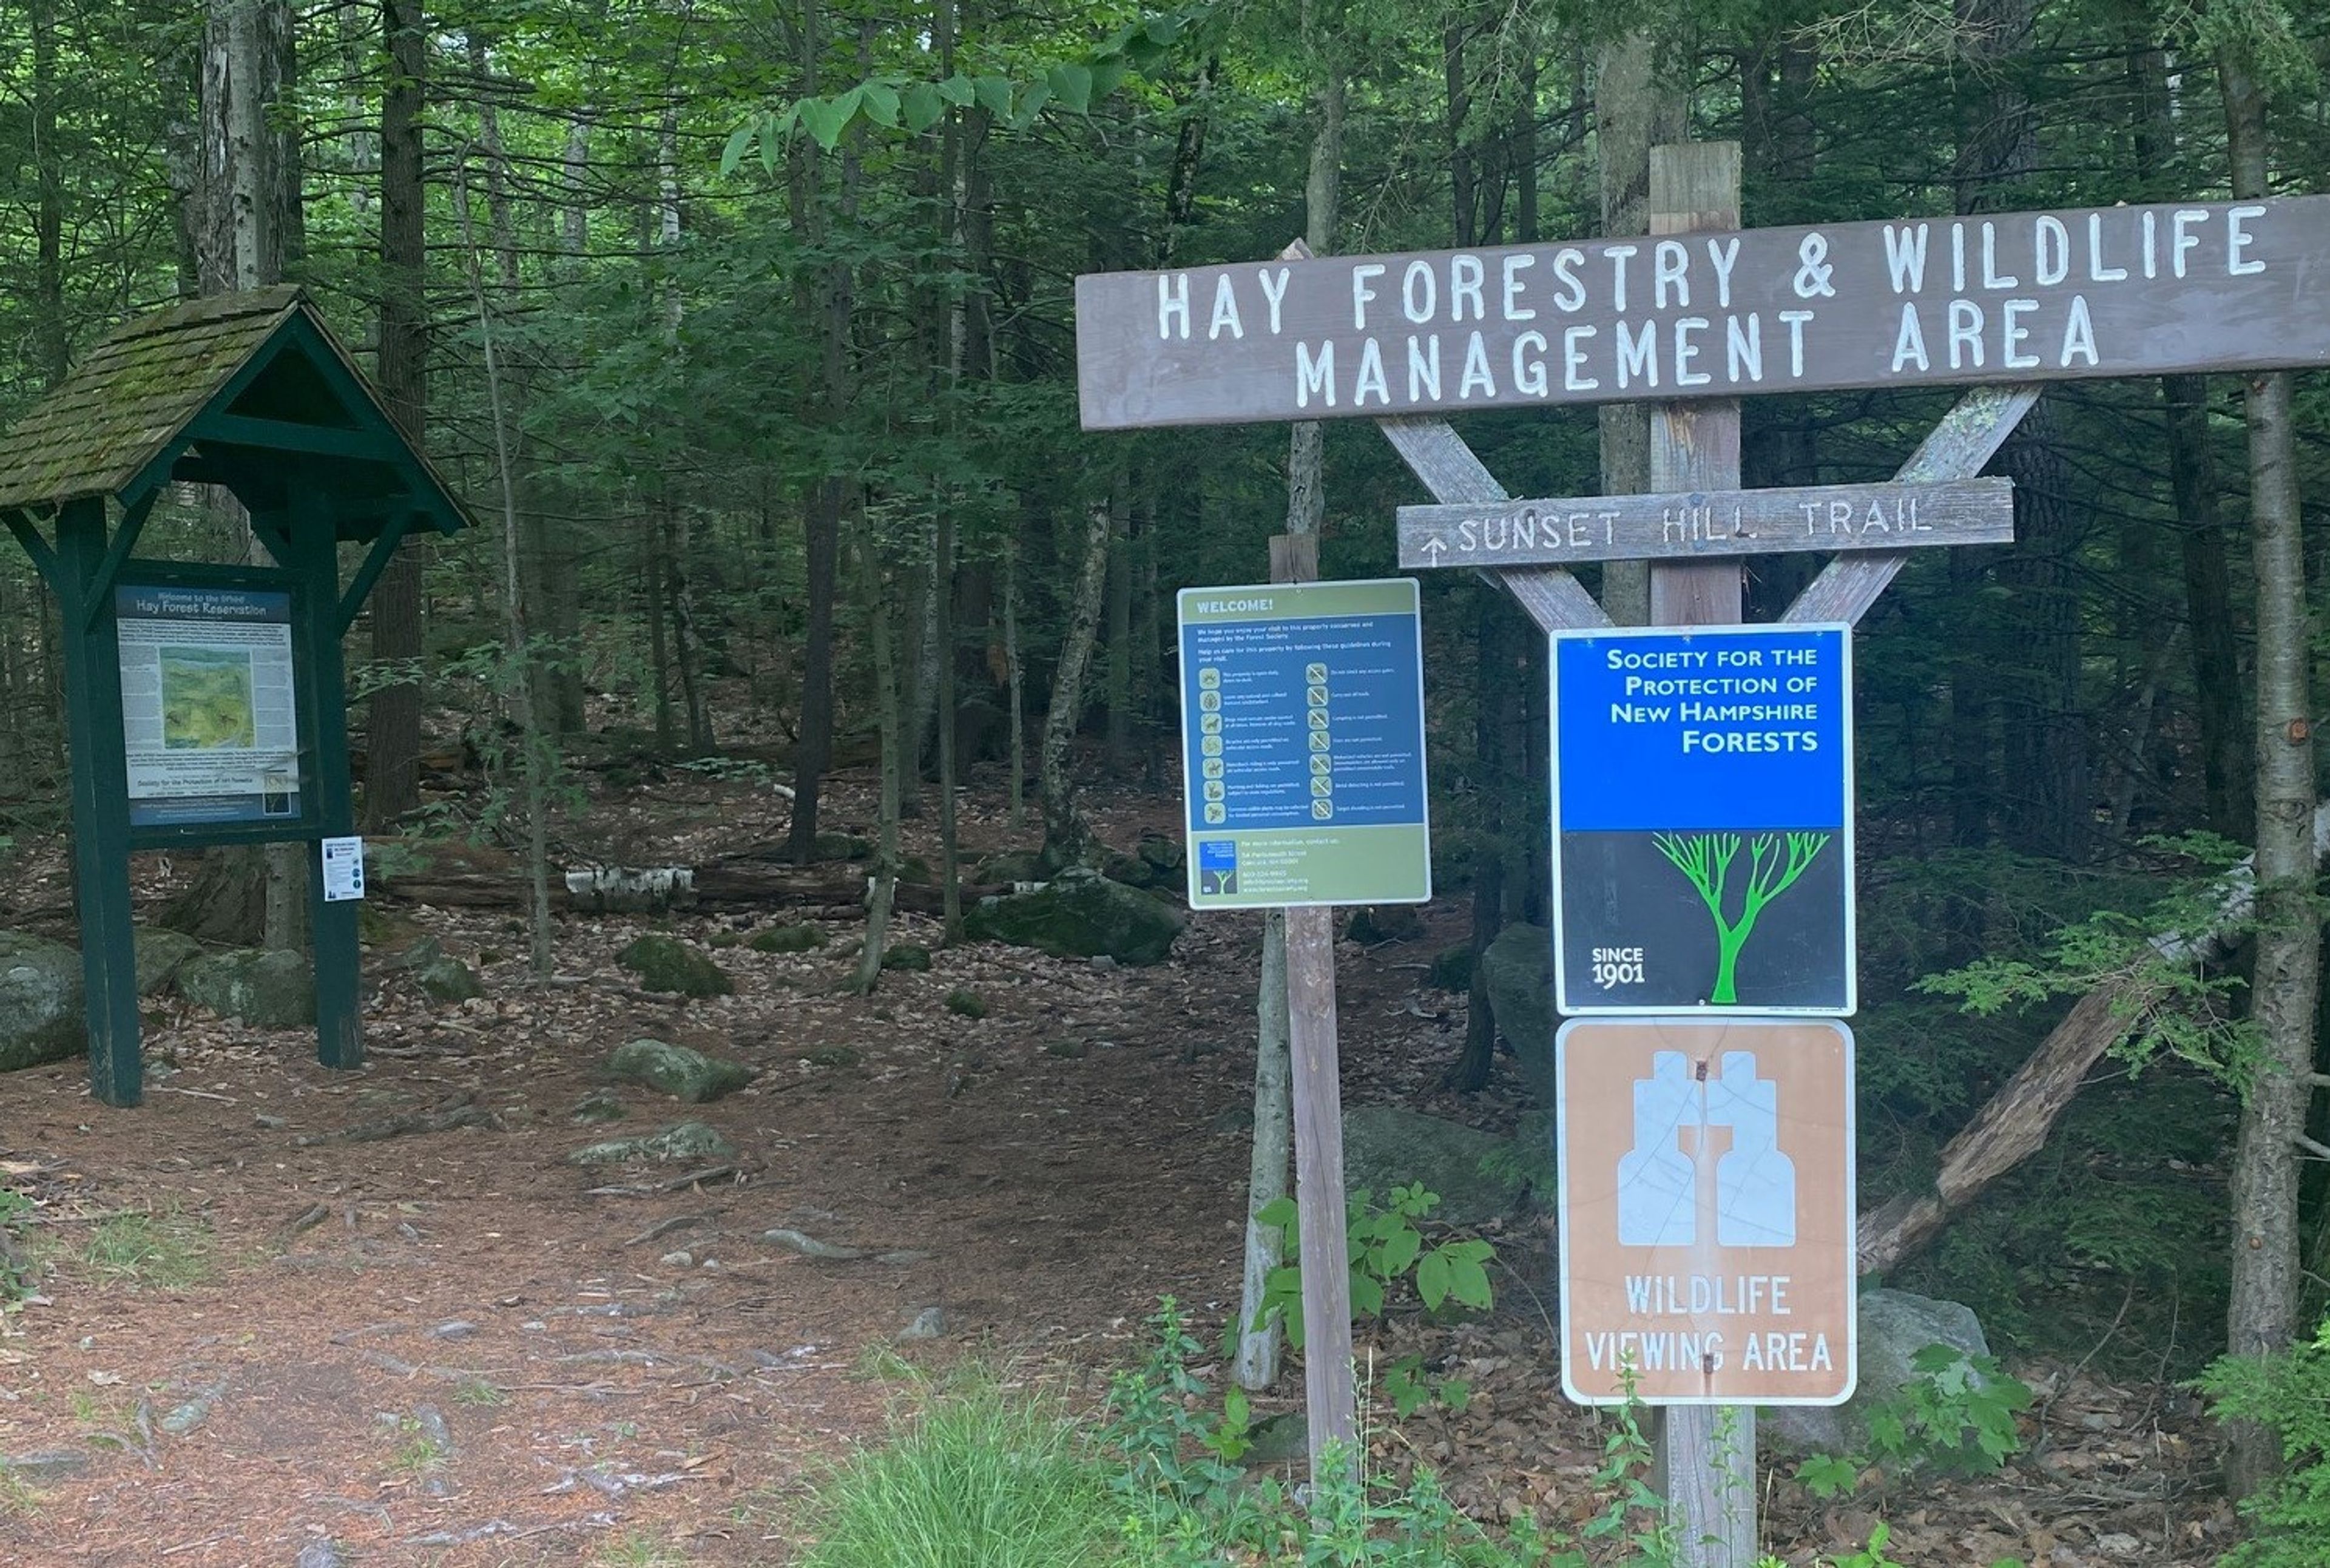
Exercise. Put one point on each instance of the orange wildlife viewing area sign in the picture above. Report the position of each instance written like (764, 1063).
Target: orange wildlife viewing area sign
(1707, 1210)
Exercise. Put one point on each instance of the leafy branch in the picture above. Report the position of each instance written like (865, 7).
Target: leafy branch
(895, 101)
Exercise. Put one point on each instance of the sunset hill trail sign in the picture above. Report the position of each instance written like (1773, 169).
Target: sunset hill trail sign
(205, 703)
(1691, 318)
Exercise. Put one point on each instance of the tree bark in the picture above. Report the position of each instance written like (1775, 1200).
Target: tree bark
(1067, 836)
(2261, 1314)
(1637, 106)
(890, 715)
(392, 740)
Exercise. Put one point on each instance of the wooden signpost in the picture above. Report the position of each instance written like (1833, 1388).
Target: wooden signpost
(1689, 318)
(204, 703)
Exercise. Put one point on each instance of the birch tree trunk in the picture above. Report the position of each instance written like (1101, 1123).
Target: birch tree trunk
(1067, 836)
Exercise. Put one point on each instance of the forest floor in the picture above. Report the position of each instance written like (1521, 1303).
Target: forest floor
(458, 1349)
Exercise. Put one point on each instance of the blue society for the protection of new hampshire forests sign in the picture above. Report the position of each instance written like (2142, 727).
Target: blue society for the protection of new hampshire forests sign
(1303, 745)
(1702, 820)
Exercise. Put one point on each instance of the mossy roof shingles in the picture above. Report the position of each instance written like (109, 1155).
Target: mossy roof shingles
(133, 392)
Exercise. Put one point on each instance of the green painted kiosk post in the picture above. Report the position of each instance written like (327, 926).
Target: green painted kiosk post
(205, 703)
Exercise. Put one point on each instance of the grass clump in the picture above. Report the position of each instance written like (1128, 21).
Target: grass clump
(974, 1477)
(168, 1250)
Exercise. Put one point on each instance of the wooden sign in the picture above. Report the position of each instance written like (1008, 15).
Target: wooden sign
(1625, 527)
(2006, 298)
(1706, 1190)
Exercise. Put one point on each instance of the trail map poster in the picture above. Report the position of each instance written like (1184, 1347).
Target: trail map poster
(209, 712)
(1702, 820)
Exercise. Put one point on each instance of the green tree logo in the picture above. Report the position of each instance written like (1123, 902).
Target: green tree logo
(1775, 862)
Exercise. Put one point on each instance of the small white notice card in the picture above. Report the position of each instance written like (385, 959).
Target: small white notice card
(343, 870)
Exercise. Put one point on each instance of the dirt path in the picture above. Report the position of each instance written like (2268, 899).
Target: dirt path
(260, 1345)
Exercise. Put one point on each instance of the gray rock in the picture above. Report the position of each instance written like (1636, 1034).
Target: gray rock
(601, 1104)
(929, 1323)
(453, 1328)
(1385, 1147)
(686, 1140)
(1010, 866)
(675, 1069)
(266, 990)
(160, 956)
(46, 1465)
(680, 1259)
(1276, 1439)
(1079, 914)
(446, 978)
(193, 1413)
(320, 1555)
(1894, 1325)
(1518, 968)
(668, 963)
(808, 1246)
(40, 1007)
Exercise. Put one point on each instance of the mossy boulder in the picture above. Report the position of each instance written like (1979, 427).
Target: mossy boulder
(1009, 866)
(41, 1001)
(690, 1075)
(268, 990)
(1385, 1146)
(160, 956)
(1518, 970)
(1375, 923)
(669, 964)
(446, 978)
(797, 939)
(686, 1140)
(908, 957)
(1079, 914)
(1156, 863)
(1452, 968)
(965, 1004)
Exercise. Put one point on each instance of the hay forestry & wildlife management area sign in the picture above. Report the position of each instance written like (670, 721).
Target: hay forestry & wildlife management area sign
(2107, 292)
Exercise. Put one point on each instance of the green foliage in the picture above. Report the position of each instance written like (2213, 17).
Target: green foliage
(974, 1475)
(2290, 1393)
(1956, 1415)
(899, 103)
(1386, 1248)
(965, 1004)
(166, 1250)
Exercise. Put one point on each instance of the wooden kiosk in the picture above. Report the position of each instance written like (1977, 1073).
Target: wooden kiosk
(205, 704)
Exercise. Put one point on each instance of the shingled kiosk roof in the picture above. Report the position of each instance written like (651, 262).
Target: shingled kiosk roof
(216, 382)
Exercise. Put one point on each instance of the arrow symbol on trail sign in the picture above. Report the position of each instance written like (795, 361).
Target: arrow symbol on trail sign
(1864, 517)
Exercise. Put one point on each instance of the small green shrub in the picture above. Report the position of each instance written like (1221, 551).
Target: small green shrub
(1956, 1415)
(2290, 1394)
(965, 1004)
(1387, 1248)
(975, 1477)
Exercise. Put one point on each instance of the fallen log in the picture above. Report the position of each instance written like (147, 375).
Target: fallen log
(721, 885)
(2013, 1124)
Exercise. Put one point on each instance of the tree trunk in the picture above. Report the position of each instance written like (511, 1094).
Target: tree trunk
(393, 733)
(1067, 836)
(1015, 677)
(48, 339)
(890, 716)
(2261, 1314)
(1637, 106)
